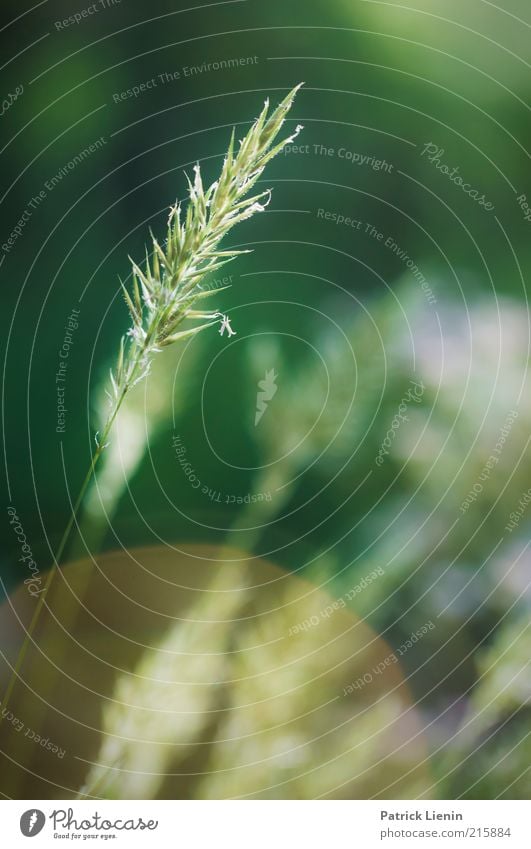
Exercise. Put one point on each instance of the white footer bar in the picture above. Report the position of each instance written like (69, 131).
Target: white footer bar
(266, 824)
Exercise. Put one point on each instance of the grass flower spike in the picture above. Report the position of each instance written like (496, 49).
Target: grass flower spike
(167, 290)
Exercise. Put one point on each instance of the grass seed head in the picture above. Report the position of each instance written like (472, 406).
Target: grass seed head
(166, 288)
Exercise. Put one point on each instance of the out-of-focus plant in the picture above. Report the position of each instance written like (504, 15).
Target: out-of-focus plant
(491, 749)
(238, 700)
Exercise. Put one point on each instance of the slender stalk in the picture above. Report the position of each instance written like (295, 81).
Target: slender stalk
(15, 674)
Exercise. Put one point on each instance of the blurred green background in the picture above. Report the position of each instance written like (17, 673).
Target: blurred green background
(333, 308)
